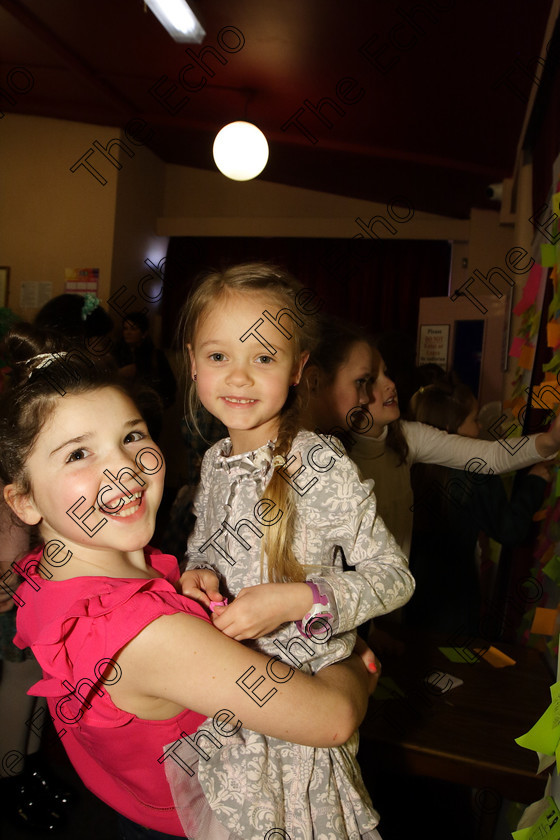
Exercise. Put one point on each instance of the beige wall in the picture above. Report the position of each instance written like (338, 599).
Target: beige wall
(50, 218)
(200, 203)
(139, 202)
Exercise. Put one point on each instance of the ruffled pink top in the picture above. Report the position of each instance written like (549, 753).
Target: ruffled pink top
(76, 628)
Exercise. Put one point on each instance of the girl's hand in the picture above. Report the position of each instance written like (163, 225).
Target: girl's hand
(548, 443)
(201, 585)
(543, 469)
(371, 662)
(259, 610)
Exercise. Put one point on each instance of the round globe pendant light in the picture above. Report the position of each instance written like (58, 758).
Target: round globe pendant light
(240, 151)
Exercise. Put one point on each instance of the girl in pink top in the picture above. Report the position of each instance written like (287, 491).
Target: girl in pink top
(129, 664)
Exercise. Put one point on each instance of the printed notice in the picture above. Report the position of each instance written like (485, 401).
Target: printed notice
(434, 345)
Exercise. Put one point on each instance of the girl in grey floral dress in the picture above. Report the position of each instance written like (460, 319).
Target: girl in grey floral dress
(278, 509)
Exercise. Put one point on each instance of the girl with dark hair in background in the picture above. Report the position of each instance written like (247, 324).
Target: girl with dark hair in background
(351, 390)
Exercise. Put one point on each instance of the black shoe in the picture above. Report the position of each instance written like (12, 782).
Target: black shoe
(52, 790)
(25, 806)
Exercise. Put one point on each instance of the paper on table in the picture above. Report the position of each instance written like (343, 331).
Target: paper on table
(544, 736)
(459, 654)
(544, 621)
(496, 658)
(442, 681)
(547, 822)
(545, 761)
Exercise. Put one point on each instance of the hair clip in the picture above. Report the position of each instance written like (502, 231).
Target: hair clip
(44, 359)
(41, 360)
(91, 302)
(278, 461)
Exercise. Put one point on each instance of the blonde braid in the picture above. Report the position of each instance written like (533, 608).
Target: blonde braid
(283, 565)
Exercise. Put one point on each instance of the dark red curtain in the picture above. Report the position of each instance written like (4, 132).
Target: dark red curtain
(376, 284)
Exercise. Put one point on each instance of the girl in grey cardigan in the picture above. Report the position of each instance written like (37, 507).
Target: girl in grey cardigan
(278, 510)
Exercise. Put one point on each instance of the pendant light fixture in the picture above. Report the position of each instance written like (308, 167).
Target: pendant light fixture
(240, 151)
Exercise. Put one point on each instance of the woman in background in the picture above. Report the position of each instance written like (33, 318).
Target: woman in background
(353, 397)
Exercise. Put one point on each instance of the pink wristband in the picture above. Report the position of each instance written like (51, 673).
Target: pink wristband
(214, 604)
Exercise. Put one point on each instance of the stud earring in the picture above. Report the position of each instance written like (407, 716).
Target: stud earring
(194, 378)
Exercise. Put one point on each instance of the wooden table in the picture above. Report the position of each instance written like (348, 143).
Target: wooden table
(465, 735)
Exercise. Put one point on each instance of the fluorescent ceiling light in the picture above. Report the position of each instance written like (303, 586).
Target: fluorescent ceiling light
(179, 20)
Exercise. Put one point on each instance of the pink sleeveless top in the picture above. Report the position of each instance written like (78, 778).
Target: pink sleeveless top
(75, 629)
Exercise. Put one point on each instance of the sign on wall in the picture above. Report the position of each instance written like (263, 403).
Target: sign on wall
(81, 280)
(434, 345)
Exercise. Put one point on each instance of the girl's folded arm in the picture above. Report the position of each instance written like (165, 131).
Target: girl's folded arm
(184, 660)
(382, 581)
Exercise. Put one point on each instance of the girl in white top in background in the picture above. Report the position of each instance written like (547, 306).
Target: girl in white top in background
(353, 397)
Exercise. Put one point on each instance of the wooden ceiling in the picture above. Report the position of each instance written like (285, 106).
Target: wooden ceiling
(365, 98)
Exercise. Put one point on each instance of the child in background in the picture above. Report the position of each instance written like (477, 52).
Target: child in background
(278, 508)
(351, 391)
(451, 507)
(128, 663)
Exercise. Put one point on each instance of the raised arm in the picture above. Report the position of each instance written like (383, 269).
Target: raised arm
(185, 661)
(548, 443)
(432, 446)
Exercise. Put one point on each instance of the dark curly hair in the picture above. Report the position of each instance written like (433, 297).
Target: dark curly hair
(45, 367)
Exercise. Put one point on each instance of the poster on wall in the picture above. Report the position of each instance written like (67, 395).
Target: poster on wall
(81, 280)
(34, 294)
(434, 345)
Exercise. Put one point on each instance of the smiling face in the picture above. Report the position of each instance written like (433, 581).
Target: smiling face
(89, 450)
(384, 403)
(243, 383)
(333, 402)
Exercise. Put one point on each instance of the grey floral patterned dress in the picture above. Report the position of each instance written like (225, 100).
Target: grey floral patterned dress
(252, 782)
